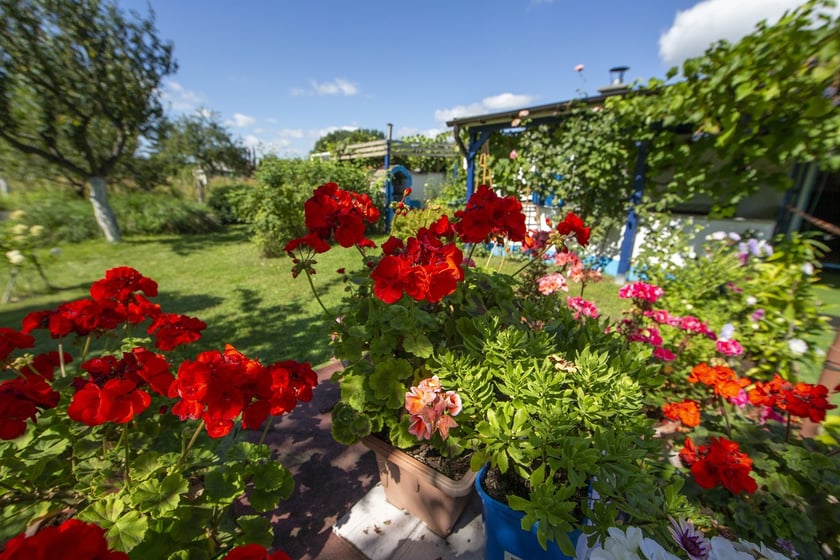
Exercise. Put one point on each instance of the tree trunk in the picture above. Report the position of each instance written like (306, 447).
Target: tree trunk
(102, 210)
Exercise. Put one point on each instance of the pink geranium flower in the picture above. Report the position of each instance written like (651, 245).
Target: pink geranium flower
(729, 347)
(551, 283)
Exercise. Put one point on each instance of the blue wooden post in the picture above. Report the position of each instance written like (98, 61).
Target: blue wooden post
(631, 226)
(389, 188)
(476, 141)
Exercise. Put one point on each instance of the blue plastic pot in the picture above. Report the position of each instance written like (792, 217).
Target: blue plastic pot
(504, 537)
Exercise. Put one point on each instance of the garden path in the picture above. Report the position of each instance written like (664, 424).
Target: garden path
(329, 477)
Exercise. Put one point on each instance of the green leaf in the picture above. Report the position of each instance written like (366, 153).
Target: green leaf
(274, 477)
(246, 452)
(223, 485)
(128, 531)
(145, 465)
(419, 345)
(159, 497)
(103, 512)
(255, 529)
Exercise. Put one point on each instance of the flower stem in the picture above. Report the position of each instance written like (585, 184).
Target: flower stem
(127, 456)
(725, 417)
(529, 262)
(265, 430)
(189, 445)
(787, 428)
(315, 292)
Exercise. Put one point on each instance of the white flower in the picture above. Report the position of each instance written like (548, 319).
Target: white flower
(654, 551)
(17, 215)
(807, 268)
(20, 229)
(726, 331)
(797, 346)
(15, 257)
(36, 230)
(751, 300)
(761, 551)
(716, 236)
(619, 545)
(723, 549)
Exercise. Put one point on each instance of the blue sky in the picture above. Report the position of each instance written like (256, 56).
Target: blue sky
(281, 73)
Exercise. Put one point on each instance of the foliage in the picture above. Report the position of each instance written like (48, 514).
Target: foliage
(228, 200)
(21, 243)
(79, 84)
(107, 443)
(201, 140)
(408, 224)
(335, 140)
(427, 164)
(742, 288)
(743, 113)
(559, 407)
(68, 220)
(275, 207)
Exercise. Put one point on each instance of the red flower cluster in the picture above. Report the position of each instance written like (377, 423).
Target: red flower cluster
(424, 267)
(722, 379)
(803, 400)
(115, 301)
(488, 214)
(687, 412)
(11, 340)
(219, 386)
(72, 539)
(722, 462)
(332, 212)
(115, 390)
(572, 224)
(20, 399)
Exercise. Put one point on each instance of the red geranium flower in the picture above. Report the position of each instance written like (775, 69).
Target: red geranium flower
(572, 224)
(11, 340)
(72, 539)
(488, 214)
(171, 330)
(806, 401)
(723, 463)
(255, 552)
(20, 399)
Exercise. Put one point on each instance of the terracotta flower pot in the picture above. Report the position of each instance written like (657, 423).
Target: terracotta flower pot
(424, 492)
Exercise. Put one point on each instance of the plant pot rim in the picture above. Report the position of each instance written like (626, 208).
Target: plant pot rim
(452, 487)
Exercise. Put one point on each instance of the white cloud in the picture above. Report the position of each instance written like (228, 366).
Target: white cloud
(240, 120)
(697, 28)
(179, 98)
(335, 87)
(487, 105)
(429, 132)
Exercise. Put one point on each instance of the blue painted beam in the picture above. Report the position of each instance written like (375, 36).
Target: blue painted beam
(477, 140)
(631, 225)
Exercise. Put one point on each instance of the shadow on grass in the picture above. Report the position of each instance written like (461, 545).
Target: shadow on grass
(185, 244)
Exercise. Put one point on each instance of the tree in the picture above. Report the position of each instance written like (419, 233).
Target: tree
(201, 140)
(79, 85)
(332, 141)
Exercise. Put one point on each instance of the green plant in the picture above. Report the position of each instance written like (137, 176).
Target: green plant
(20, 243)
(154, 458)
(276, 203)
(228, 202)
(557, 411)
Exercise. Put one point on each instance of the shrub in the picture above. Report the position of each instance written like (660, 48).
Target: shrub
(67, 219)
(276, 204)
(229, 202)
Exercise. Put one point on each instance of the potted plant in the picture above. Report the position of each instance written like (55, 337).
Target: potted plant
(558, 428)
(415, 298)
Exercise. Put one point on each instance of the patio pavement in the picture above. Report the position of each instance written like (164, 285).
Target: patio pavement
(338, 510)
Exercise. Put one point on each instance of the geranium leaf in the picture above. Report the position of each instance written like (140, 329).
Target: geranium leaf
(419, 345)
(103, 512)
(255, 529)
(128, 531)
(159, 496)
